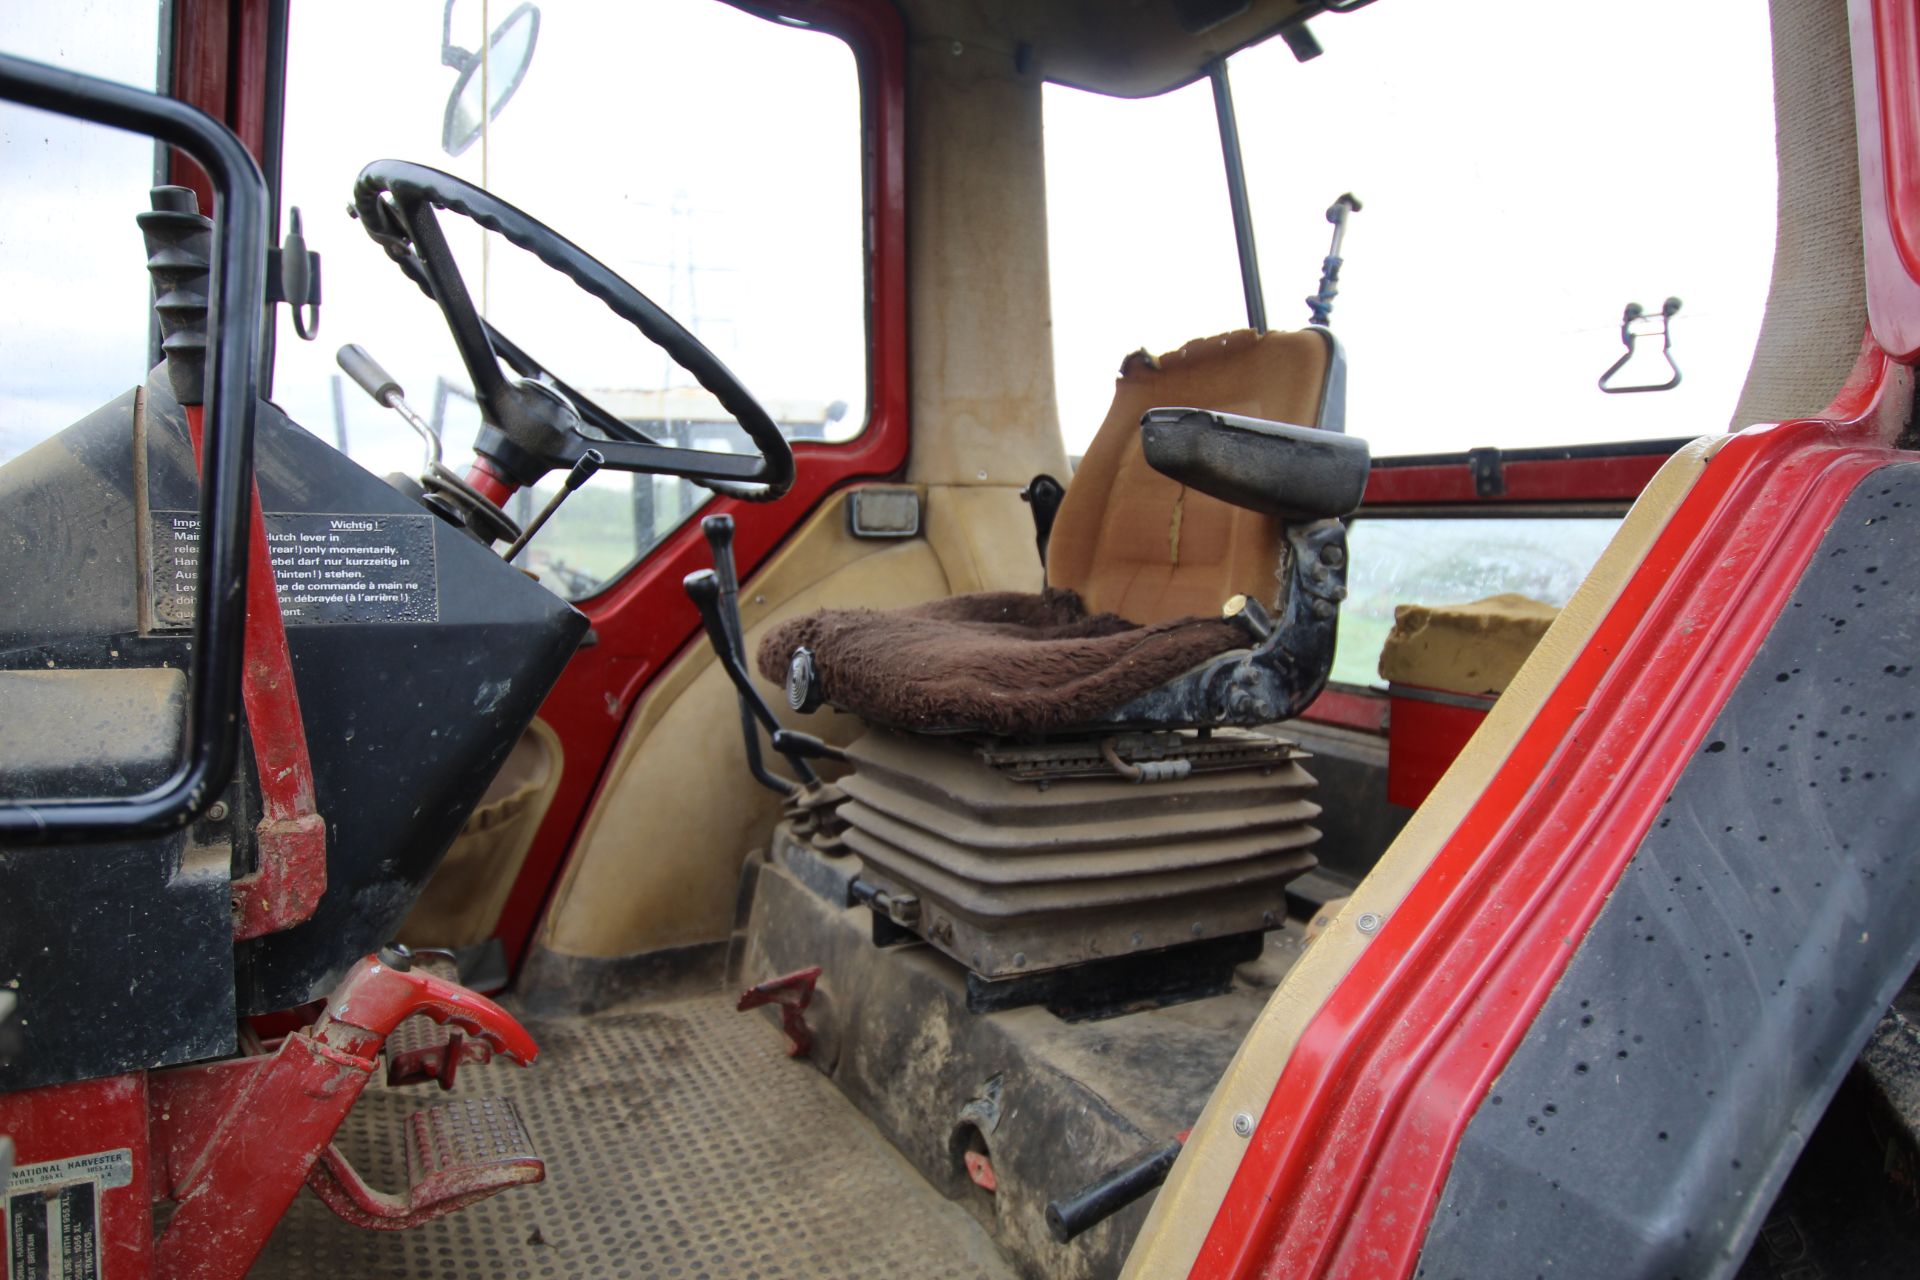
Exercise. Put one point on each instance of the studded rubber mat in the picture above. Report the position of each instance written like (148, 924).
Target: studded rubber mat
(681, 1143)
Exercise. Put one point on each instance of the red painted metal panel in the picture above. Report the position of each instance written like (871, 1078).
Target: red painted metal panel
(1886, 75)
(1617, 478)
(1427, 736)
(220, 66)
(91, 1136)
(1342, 1173)
(645, 619)
(1349, 709)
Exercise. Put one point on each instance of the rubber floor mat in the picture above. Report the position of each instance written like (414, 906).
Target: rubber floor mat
(681, 1142)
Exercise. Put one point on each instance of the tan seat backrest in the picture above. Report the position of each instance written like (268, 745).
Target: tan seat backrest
(1133, 542)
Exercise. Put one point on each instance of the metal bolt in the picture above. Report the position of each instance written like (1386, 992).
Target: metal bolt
(1197, 930)
(1242, 1124)
(217, 811)
(958, 48)
(1019, 959)
(1369, 922)
(1332, 554)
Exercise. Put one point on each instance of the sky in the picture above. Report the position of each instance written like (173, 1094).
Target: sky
(74, 332)
(1525, 174)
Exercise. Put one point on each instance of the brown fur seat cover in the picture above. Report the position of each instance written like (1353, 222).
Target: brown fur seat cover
(1000, 661)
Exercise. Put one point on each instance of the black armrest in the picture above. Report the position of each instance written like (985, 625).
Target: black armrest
(1297, 473)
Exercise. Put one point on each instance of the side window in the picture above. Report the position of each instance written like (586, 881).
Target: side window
(709, 156)
(75, 326)
(1428, 560)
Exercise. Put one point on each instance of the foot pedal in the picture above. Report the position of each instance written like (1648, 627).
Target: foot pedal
(457, 1153)
(467, 1150)
(421, 1049)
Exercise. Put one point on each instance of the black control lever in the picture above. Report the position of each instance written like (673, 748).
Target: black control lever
(467, 505)
(719, 531)
(582, 471)
(1112, 1191)
(791, 743)
(705, 588)
(1320, 305)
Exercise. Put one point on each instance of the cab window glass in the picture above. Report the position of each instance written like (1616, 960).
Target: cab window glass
(1523, 177)
(1139, 238)
(72, 263)
(646, 135)
(1454, 561)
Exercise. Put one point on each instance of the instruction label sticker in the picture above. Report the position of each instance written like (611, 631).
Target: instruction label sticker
(53, 1215)
(329, 568)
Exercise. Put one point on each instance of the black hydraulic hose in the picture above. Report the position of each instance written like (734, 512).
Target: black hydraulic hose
(239, 287)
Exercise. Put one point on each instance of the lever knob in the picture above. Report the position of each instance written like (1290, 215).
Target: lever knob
(803, 681)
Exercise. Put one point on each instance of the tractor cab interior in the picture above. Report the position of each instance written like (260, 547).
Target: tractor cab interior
(775, 649)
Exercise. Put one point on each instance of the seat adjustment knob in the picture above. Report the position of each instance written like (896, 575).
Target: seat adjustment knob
(803, 681)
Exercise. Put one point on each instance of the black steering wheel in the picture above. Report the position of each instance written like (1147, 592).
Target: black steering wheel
(533, 423)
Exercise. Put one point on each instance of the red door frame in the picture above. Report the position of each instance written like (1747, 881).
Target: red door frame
(221, 63)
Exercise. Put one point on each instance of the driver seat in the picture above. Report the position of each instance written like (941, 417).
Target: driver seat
(1172, 515)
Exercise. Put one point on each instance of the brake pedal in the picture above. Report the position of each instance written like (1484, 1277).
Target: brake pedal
(457, 1153)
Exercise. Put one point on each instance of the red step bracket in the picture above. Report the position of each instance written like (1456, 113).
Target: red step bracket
(793, 992)
(234, 1141)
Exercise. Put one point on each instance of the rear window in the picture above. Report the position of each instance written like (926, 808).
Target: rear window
(1431, 560)
(1526, 170)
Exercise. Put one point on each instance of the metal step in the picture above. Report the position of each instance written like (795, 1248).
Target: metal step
(473, 1144)
(457, 1153)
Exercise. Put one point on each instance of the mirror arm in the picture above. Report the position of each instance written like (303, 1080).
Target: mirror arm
(451, 55)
